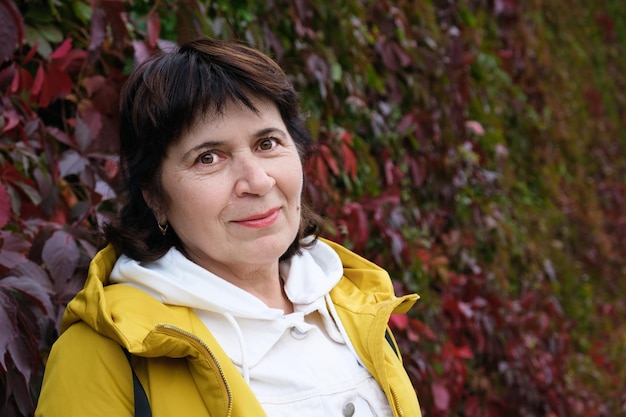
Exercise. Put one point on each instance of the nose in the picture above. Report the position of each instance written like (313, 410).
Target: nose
(252, 176)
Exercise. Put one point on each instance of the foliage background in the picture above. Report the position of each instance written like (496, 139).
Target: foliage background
(475, 148)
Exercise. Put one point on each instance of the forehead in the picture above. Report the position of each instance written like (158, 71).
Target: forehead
(255, 110)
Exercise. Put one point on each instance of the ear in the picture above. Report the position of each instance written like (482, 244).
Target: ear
(154, 206)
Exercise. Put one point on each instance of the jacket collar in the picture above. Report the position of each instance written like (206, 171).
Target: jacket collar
(128, 315)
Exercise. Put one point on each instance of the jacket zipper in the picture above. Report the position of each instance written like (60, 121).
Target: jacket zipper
(397, 403)
(202, 347)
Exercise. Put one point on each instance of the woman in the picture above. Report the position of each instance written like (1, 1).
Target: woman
(214, 279)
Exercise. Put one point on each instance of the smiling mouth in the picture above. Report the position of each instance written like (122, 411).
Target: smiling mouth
(259, 221)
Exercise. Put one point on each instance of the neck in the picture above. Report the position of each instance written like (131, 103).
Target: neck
(264, 283)
(272, 293)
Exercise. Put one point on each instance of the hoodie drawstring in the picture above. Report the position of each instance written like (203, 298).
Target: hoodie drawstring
(335, 316)
(242, 345)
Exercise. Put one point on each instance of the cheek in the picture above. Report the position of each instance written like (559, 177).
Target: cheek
(295, 180)
(183, 197)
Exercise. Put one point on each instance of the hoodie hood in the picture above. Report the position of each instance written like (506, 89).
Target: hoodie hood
(234, 316)
(129, 315)
(175, 280)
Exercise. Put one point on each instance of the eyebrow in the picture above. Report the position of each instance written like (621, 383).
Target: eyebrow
(217, 143)
(204, 145)
(267, 131)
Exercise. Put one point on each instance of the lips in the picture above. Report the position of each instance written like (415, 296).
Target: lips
(260, 220)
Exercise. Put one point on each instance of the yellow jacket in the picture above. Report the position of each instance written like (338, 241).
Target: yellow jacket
(182, 368)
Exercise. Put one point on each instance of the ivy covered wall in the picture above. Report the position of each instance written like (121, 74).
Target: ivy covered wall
(476, 149)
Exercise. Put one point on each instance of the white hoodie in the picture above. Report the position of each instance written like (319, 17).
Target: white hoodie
(300, 362)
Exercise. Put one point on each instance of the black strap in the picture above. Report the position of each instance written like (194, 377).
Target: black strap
(142, 406)
(389, 338)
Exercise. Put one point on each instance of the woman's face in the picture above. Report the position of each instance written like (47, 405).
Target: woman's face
(234, 184)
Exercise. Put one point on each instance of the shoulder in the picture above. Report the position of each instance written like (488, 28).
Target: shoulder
(80, 345)
(85, 365)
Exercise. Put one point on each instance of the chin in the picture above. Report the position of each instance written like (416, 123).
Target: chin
(269, 248)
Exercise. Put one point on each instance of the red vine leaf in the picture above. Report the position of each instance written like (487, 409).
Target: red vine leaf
(13, 119)
(11, 29)
(441, 396)
(399, 321)
(5, 205)
(8, 323)
(154, 28)
(62, 50)
(60, 253)
(32, 283)
(12, 249)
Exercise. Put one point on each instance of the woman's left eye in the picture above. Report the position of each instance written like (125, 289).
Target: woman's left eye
(267, 144)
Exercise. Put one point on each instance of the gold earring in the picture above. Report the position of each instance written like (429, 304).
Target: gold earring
(163, 229)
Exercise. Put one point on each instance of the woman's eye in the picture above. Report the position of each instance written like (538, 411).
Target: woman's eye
(267, 144)
(207, 158)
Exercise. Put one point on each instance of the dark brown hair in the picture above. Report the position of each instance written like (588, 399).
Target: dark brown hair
(162, 99)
